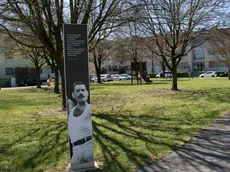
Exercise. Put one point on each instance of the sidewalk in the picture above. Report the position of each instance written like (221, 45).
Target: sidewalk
(208, 151)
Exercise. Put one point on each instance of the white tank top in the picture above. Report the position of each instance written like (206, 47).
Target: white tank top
(81, 126)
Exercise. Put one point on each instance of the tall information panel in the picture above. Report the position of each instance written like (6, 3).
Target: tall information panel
(78, 96)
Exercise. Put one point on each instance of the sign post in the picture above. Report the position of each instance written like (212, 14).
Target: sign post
(78, 99)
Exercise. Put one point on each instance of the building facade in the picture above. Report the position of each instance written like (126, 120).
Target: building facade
(197, 60)
(7, 70)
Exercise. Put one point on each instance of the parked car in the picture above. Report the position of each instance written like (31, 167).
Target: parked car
(208, 74)
(106, 77)
(159, 75)
(125, 77)
(225, 74)
(93, 79)
(116, 77)
(167, 75)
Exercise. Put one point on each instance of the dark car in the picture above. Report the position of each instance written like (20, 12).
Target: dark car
(167, 75)
(225, 74)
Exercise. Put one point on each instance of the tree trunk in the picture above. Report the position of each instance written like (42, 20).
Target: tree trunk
(63, 86)
(97, 68)
(163, 70)
(98, 73)
(174, 79)
(152, 63)
(136, 70)
(228, 73)
(61, 67)
(137, 77)
(56, 84)
(38, 80)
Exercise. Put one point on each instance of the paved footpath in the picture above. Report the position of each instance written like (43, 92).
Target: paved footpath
(208, 151)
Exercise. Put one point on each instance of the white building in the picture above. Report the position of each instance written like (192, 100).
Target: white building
(7, 70)
(198, 59)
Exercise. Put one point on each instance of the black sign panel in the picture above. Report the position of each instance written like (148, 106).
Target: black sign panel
(78, 99)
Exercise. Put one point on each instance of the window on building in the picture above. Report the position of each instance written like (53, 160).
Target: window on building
(198, 66)
(182, 65)
(198, 54)
(9, 71)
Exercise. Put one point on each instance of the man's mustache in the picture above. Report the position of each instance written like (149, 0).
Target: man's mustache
(81, 96)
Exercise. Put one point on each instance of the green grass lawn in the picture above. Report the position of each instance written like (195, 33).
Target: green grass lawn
(133, 125)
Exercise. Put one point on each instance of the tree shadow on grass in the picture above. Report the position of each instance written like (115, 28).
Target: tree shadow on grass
(141, 138)
(39, 145)
(51, 144)
(118, 134)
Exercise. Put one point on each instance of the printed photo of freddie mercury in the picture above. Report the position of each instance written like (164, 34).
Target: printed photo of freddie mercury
(80, 125)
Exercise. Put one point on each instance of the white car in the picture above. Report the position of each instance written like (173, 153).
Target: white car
(116, 77)
(106, 77)
(159, 75)
(208, 74)
(125, 77)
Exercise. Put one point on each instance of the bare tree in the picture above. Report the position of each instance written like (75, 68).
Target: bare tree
(100, 53)
(101, 30)
(175, 26)
(40, 19)
(121, 54)
(150, 46)
(44, 19)
(219, 46)
(36, 56)
(132, 40)
(19, 51)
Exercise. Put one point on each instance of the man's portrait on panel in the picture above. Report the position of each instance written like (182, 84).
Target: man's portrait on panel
(80, 125)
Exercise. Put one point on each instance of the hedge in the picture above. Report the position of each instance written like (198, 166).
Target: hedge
(182, 74)
(153, 75)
